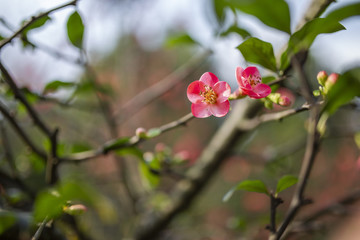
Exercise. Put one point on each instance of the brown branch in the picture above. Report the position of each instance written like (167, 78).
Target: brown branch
(133, 141)
(32, 20)
(312, 146)
(153, 92)
(20, 96)
(21, 132)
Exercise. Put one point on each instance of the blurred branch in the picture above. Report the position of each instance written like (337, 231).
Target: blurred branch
(21, 132)
(7, 149)
(39, 230)
(134, 140)
(20, 96)
(312, 146)
(339, 207)
(32, 20)
(151, 93)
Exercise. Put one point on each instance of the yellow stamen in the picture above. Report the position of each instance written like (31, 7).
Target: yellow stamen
(209, 95)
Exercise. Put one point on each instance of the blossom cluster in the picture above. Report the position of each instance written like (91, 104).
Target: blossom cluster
(209, 96)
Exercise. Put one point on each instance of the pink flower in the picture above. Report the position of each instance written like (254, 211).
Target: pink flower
(250, 83)
(209, 96)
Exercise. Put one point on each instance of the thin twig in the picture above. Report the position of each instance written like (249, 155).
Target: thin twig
(133, 141)
(21, 132)
(32, 20)
(20, 96)
(312, 145)
(40, 230)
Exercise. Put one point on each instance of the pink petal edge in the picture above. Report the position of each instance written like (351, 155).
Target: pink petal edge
(222, 90)
(200, 110)
(220, 109)
(209, 79)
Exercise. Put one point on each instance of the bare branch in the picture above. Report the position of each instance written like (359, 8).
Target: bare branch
(21, 132)
(20, 96)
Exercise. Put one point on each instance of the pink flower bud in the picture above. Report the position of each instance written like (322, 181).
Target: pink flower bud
(284, 101)
(76, 209)
(183, 155)
(140, 132)
(331, 80)
(321, 77)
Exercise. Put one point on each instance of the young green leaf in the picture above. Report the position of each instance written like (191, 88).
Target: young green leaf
(274, 13)
(247, 185)
(55, 85)
(75, 29)
(303, 39)
(344, 12)
(286, 182)
(116, 144)
(153, 132)
(344, 90)
(36, 24)
(257, 51)
(182, 39)
(7, 219)
(235, 29)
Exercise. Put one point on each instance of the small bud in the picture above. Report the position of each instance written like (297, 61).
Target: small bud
(75, 210)
(322, 77)
(274, 97)
(140, 132)
(317, 93)
(181, 156)
(331, 80)
(284, 101)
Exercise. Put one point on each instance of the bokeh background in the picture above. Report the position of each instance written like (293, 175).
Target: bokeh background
(131, 46)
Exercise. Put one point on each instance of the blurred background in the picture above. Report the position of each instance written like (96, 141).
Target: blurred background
(134, 44)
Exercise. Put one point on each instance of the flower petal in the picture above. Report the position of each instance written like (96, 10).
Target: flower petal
(261, 90)
(220, 109)
(209, 79)
(251, 71)
(238, 74)
(200, 110)
(222, 90)
(193, 91)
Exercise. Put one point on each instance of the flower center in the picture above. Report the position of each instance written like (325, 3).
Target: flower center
(254, 80)
(209, 95)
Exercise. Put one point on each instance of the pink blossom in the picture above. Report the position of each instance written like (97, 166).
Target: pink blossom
(209, 96)
(250, 83)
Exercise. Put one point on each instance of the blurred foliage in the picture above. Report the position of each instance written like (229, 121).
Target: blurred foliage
(271, 154)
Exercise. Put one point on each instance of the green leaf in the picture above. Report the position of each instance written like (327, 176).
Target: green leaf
(36, 24)
(344, 90)
(219, 7)
(303, 39)
(1, 38)
(117, 143)
(153, 132)
(7, 219)
(247, 185)
(148, 171)
(56, 85)
(48, 204)
(344, 12)
(257, 51)
(268, 79)
(75, 29)
(235, 29)
(286, 182)
(134, 151)
(274, 13)
(182, 39)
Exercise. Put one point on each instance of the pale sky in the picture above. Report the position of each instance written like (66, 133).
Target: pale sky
(151, 22)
